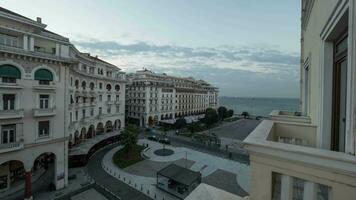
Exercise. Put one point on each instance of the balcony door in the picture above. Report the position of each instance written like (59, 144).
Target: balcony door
(8, 134)
(339, 95)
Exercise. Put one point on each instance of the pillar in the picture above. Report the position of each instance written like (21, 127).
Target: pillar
(286, 187)
(28, 185)
(25, 42)
(32, 44)
(310, 191)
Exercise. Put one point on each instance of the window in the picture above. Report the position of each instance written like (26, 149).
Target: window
(117, 108)
(44, 76)
(100, 97)
(100, 111)
(8, 101)
(76, 115)
(70, 117)
(9, 73)
(92, 112)
(117, 87)
(108, 110)
(100, 85)
(298, 191)
(84, 85)
(8, 40)
(3, 182)
(43, 128)
(91, 85)
(8, 134)
(44, 101)
(108, 87)
(76, 84)
(83, 113)
(109, 97)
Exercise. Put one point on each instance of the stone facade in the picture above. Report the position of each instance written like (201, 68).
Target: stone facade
(52, 98)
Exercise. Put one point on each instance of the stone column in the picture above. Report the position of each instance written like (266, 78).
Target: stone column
(28, 185)
(286, 187)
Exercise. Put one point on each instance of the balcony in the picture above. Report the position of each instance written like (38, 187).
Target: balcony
(38, 112)
(11, 114)
(111, 102)
(86, 120)
(278, 115)
(10, 85)
(11, 147)
(51, 86)
(292, 150)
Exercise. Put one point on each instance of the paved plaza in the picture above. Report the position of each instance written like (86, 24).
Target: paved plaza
(219, 172)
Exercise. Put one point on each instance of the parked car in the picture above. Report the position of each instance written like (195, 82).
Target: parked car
(152, 137)
(164, 141)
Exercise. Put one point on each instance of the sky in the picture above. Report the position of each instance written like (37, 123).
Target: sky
(247, 48)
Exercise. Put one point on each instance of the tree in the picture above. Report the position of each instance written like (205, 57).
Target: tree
(129, 137)
(211, 117)
(245, 114)
(180, 123)
(222, 112)
(230, 113)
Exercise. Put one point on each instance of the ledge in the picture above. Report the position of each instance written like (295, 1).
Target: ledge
(259, 142)
(287, 116)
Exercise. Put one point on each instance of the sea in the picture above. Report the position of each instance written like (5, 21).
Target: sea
(259, 106)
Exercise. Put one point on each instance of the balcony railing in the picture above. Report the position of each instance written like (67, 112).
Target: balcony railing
(16, 145)
(11, 147)
(11, 114)
(292, 149)
(279, 115)
(44, 112)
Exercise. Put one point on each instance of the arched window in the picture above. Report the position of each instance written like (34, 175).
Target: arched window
(117, 87)
(108, 87)
(76, 84)
(9, 73)
(84, 85)
(91, 85)
(44, 76)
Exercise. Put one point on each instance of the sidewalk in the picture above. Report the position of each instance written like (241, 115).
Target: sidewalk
(205, 163)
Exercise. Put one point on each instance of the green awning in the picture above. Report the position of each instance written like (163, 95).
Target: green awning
(10, 71)
(43, 75)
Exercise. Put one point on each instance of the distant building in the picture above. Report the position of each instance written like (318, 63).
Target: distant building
(152, 98)
(312, 155)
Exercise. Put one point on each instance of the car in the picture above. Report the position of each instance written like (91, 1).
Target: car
(152, 137)
(164, 141)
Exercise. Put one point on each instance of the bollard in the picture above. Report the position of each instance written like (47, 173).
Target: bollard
(148, 192)
(129, 182)
(141, 187)
(155, 196)
(135, 185)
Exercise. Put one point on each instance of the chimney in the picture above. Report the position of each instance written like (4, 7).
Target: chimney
(39, 20)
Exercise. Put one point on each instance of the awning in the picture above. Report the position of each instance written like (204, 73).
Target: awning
(43, 75)
(10, 71)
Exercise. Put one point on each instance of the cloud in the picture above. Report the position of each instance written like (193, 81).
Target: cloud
(233, 69)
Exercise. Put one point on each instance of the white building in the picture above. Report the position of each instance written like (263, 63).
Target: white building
(313, 156)
(51, 97)
(96, 101)
(153, 98)
(33, 64)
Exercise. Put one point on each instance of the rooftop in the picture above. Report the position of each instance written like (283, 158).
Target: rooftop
(180, 174)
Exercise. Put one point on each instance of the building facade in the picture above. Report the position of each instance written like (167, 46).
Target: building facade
(52, 99)
(152, 98)
(312, 156)
(33, 64)
(96, 98)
